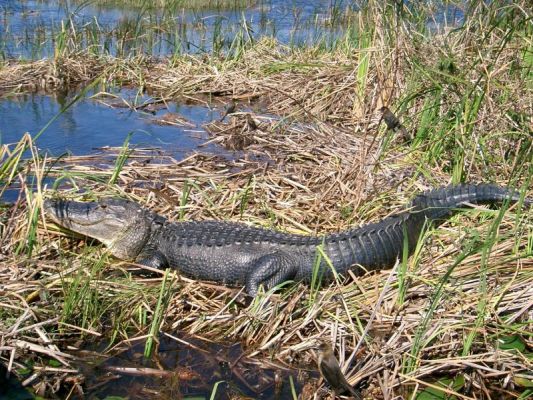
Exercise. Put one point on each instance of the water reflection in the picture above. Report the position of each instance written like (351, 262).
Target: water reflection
(93, 123)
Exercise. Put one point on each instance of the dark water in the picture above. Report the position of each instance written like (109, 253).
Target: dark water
(189, 369)
(12, 388)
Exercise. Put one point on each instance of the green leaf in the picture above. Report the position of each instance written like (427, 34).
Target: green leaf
(24, 371)
(512, 342)
(54, 363)
(431, 393)
(523, 382)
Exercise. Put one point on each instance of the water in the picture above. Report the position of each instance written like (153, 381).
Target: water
(11, 388)
(90, 124)
(188, 369)
(31, 28)
(94, 124)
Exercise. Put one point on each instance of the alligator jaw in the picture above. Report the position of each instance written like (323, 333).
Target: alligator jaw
(119, 224)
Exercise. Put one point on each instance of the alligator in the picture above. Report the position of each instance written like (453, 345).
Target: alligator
(237, 254)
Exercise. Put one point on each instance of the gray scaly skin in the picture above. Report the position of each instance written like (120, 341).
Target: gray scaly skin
(236, 254)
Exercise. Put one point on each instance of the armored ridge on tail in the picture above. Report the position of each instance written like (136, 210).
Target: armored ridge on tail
(237, 254)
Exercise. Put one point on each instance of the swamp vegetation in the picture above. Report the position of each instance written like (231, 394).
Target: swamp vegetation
(306, 151)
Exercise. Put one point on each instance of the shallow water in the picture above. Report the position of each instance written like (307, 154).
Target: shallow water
(189, 368)
(91, 124)
(30, 28)
(102, 125)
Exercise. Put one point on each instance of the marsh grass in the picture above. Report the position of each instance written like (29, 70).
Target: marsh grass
(121, 159)
(323, 163)
(157, 318)
(172, 4)
(161, 29)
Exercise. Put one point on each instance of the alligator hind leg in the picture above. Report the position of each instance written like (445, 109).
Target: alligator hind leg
(269, 271)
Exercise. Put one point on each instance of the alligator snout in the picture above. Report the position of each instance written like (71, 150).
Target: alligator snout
(57, 210)
(66, 212)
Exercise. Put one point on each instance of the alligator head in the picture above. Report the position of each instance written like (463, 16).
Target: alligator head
(123, 226)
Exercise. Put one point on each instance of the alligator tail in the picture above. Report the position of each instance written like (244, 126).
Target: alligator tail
(439, 204)
(379, 245)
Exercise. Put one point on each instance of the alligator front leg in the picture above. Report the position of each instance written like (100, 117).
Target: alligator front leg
(153, 259)
(269, 271)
